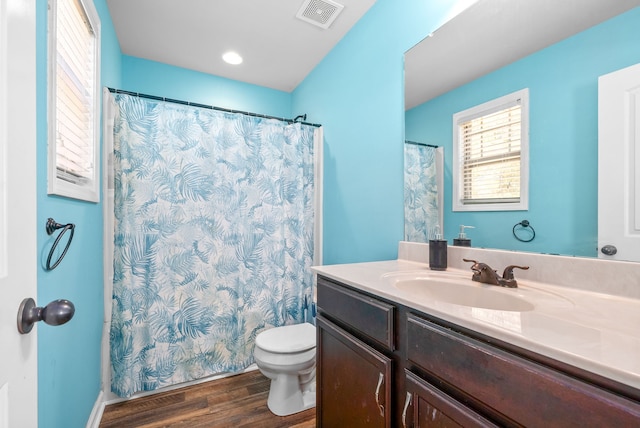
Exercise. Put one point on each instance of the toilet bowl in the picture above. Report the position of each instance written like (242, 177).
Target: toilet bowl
(287, 356)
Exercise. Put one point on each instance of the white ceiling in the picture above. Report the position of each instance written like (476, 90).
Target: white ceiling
(493, 33)
(279, 50)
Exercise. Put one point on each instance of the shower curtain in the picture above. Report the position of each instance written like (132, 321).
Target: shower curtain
(213, 241)
(423, 181)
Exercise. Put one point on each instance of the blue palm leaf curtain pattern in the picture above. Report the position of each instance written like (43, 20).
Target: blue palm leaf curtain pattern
(214, 239)
(423, 177)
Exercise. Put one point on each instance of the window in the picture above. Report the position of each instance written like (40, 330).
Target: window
(74, 52)
(491, 155)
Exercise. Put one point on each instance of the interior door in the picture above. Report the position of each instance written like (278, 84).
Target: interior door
(18, 253)
(619, 164)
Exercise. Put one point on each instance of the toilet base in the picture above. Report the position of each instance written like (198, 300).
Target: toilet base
(286, 397)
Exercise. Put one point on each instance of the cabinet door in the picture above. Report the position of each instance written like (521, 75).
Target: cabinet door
(427, 406)
(353, 381)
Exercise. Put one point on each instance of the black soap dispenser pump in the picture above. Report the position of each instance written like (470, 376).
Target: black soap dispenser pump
(438, 253)
(462, 240)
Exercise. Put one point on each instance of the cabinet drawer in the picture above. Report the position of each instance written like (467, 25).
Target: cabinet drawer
(370, 317)
(505, 384)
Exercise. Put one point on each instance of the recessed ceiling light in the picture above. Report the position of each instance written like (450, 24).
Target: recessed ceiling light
(232, 58)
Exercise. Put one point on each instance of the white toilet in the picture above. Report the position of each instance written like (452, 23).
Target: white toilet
(287, 356)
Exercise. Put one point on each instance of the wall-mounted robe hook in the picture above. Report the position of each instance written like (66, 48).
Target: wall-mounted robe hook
(51, 227)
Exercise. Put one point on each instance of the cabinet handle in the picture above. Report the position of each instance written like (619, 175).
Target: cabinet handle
(380, 379)
(407, 403)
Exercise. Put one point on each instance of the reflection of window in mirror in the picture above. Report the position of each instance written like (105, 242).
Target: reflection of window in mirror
(491, 155)
(74, 41)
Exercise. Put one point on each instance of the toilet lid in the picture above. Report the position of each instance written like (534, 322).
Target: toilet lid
(288, 338)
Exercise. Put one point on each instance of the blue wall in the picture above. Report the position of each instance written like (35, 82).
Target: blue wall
(69, 355)
(563, 90)
(154, 78)
(356, 92)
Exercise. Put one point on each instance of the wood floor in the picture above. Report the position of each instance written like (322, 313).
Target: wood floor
(236, 401)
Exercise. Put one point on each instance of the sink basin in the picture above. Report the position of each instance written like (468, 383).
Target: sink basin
(457, 288)
(464, 292)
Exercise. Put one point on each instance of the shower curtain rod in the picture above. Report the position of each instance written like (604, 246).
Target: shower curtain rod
(226, 110)
(420, 144)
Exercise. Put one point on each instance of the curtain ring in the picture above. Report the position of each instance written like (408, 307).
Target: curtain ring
(51, 227)
(525, 225)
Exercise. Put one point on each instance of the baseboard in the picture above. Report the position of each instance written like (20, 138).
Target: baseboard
(96, 412)
(115, 399)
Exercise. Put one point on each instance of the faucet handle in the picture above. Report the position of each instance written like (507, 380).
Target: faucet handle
(508, 271)
(482, 272)
(475, 267)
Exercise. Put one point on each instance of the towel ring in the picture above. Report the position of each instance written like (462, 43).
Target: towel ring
(524, 225)
(51, 227)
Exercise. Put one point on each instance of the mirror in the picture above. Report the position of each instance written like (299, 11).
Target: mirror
(557, 50)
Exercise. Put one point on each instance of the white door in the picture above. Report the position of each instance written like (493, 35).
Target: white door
(619, 164)
(18, 253)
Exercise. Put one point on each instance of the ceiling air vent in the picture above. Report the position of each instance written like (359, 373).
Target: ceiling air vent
(319, 12)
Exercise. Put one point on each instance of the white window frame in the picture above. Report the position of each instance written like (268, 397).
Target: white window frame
(521, 97)
(89, 191)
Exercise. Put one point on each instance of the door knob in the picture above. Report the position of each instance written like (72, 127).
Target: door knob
(55, 313)
(609, 250)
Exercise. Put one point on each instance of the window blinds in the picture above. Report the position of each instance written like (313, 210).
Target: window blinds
(75, 62)
(490, 150)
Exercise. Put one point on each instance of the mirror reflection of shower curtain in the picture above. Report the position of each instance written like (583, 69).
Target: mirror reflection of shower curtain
(423, 196)
(215, 219)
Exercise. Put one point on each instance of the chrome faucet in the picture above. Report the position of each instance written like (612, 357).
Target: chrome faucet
(483, 273)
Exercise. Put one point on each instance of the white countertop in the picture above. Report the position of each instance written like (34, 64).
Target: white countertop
(593, 331)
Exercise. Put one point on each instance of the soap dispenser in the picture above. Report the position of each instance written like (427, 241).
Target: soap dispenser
(462, 240)
(438, 253)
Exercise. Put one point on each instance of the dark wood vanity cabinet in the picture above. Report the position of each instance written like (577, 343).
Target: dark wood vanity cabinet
(354, 379)
(383, 364)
